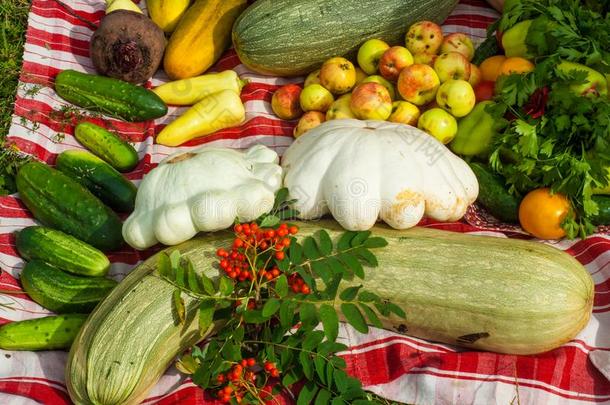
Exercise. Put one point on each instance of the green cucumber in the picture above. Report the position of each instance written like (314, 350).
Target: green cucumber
(603, 206)
(109, 96)
(48, 333)
(62, 292)
(62, 203)
(104, 181)
(62, 251)
(494, 196)
(108, 146)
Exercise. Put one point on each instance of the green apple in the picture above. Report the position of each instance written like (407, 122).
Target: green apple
(338, 75)
(460, 43)
(316, 98)
(360, 75)
(452, 65)
(405, 113)
(424, 37)
(340, 109)
(418, 84)
(438, 123)
(309, 121)
(371, 101)
(596, 84)
(384, 83)
(425, 58)
(312, 78)
(370, 54)
(456, 97)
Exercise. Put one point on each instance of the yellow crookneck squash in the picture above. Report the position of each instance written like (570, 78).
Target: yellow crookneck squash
(202, 35)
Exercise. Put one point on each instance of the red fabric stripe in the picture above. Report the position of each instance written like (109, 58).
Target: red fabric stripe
(380, 366)
(57, 42)
(50, 9)
(36, 391)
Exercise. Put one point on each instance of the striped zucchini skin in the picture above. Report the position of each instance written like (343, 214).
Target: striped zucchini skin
(62, 292)
(108, 146)
(62, 203)
(104, 181)
(294, 37)
(61, 250)
(516, 296)
(48, 333)
(109, 96)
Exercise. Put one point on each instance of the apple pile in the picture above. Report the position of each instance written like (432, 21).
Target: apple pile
(426, 83)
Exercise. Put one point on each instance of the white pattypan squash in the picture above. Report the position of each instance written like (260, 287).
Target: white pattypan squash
(363, 171)
(202, 190)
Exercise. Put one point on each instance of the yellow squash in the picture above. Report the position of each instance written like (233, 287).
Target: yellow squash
(202, 35)
(113, 5)
(166, 13)
(190, 91)
(215, 112)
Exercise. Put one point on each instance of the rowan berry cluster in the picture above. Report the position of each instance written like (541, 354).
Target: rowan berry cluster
(252, 241)
(242, 378)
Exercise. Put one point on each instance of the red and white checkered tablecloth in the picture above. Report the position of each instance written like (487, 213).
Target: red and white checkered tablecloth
(398, 367)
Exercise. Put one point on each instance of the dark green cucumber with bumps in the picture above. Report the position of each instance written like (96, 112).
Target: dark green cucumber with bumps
(48, 333)
(109, 96)
(104, 181)
(61, 202)
(62, 251)
(107, 146)
(494, 196)
(62, 292)
(603, 206)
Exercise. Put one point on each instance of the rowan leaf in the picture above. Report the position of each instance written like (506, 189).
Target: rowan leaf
(179, 306)
(271, 307)
(349, 294)
(307, 394)
(345, 240)
(310, 248)
(281, 286)
(354, 317)
(330, 321)
(360, 237)
(206, 314)
(326, 244)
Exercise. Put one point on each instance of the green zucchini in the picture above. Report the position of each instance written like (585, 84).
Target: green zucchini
(484, 293)
(48, 333)
(108, 146)
(109, 96)
(494, 196)
(603, 206)
(62, 203)
(62, 251)
(294, 37)
(62, 292)
(104, 181)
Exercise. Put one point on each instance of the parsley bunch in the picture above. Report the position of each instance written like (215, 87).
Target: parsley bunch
(561, 140)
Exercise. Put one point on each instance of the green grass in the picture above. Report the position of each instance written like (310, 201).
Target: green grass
(13, 23)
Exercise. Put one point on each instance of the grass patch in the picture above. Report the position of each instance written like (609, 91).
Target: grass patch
(13, 23)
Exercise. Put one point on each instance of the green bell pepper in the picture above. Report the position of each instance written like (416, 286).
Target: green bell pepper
(475, 133)
(513, 40)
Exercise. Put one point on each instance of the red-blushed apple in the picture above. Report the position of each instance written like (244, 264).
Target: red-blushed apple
(384, 83)
(438, 123)
(393, 61)
(360, 76)
(460, 43)
(308, 121)
(456, 97)
(424, 37)
(484, 90)
(475, 75)
(418, 84)
(340, 109)
(371, 101)
(312, 78)
(315, 97)
(369, 55)
(404, 112)
(425, 58)
(452, 65)
(286, 102)
(338, 75)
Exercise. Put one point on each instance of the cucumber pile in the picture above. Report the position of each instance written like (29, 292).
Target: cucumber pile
(76, 203)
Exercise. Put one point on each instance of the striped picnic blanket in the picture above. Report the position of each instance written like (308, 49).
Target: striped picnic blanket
(398, 367)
